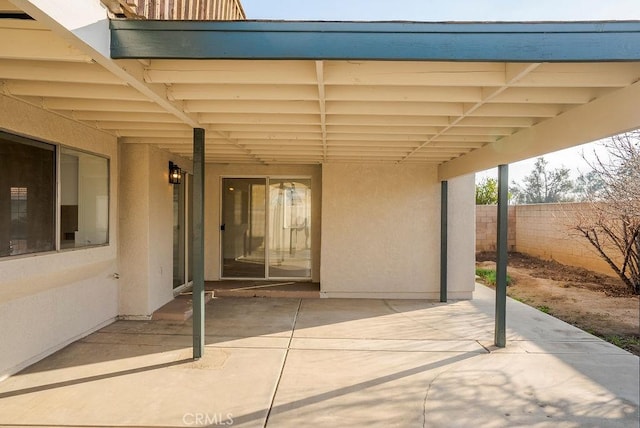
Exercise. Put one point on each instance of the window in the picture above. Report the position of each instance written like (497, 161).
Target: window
(84, 199)
(27, 196)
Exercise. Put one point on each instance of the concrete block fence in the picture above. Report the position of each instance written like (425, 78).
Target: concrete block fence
(544, 231)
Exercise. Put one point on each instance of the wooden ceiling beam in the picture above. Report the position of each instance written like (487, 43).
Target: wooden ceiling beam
(73, 90)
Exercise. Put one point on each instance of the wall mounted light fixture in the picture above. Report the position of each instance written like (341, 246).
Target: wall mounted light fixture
(175, 173)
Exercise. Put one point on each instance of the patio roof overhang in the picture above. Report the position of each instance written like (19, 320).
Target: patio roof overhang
(467, 96)
(462, 96)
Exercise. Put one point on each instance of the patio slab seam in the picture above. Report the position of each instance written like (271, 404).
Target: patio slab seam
(282, 367)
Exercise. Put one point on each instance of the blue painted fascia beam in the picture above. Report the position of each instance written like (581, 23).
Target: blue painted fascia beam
(392, 41)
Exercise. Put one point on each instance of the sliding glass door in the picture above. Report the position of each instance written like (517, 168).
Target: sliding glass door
(290, 228)
(266, 228)
(243, 228)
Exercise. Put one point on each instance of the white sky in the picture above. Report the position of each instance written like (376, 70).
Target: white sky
(457, 10)
(570, 158)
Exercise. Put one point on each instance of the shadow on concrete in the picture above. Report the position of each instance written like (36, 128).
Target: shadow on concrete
(507, 387)
(231, 320)
(339, 392)
(88, 379)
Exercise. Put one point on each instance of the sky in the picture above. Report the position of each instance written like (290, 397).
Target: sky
(443, 10)
(575, 158)
(459, 10)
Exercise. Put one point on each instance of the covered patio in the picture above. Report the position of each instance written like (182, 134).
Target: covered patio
(389, 121)
(333, 362)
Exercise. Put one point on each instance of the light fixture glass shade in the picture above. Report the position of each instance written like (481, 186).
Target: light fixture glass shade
(175, 174)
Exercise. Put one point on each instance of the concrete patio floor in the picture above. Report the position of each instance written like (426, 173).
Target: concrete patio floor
(293, 363)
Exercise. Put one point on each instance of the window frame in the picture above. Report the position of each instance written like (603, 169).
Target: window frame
(58, 220)
(56, 191)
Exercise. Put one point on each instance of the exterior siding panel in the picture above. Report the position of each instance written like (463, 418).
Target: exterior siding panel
(201, 10)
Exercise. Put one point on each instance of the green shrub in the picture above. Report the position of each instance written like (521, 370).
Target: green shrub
(489, 276)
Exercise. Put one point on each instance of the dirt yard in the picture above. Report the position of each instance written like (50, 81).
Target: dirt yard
(598, 304)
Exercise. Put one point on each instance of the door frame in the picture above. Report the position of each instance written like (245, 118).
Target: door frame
(187, 183)
(267, 229)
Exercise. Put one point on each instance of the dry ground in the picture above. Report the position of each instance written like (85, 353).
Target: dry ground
(596, 303)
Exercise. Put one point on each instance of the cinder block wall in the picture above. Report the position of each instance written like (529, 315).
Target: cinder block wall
(546, 231)
(486, 227)
(542, 230)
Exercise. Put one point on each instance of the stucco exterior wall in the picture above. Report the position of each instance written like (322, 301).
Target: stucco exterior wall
(48, 300)
(213, 182)
(461, 254)
(161, 227)
(381, 232)
(146, 224)
(134, 228)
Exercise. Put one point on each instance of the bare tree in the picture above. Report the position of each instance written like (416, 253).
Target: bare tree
(613, 224)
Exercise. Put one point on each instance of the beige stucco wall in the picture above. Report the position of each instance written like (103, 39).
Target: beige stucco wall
(48, 300)
(461, 254)
(381, 232)
(133, 219)
(213, 182)
(161, 227)
(146, 225)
